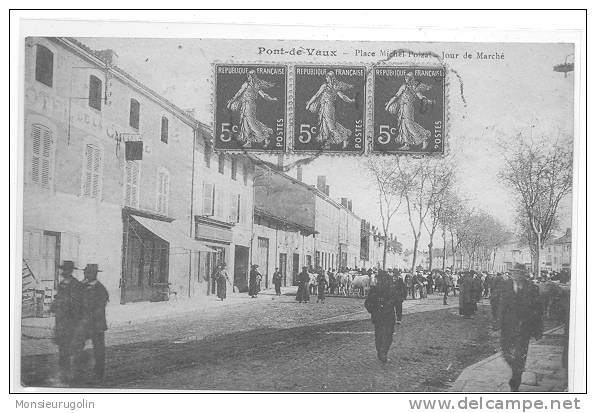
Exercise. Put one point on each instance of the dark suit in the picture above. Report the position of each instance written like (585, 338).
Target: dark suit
(520, 315)
(92, 326)
(382, 302)
(67, 306)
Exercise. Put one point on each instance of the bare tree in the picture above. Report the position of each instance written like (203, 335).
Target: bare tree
(422, 183)
(540, 175)
(384, 173)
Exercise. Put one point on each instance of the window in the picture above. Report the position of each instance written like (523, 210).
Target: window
(234, 167)
(208, 196)
(219, 203)
(164, 129)
(245, 174)
(92, 172)
(221, 164)
(207, 155)
(95, 87)
(131, 197)
(163, 190)
(234, 208)
(135, 109)
(41, 156)
(44, 66)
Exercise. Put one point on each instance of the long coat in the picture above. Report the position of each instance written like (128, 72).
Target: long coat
(95, 299)
(466, 296)
(254, 281)
(381, 303)
(521, 318)
(68, 308)
(222, 279)
(303, 279)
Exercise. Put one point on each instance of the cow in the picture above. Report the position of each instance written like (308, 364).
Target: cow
(361, 284)
(344, 280)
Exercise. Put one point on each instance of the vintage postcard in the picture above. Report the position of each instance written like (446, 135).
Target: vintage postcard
(234, 211)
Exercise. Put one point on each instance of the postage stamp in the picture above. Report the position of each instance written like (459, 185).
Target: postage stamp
(409, 110)
(250, 107)
(329, 108)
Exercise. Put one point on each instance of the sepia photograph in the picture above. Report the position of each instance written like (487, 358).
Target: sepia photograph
(297, 215)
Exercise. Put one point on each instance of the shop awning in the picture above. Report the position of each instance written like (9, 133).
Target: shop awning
(170, 234)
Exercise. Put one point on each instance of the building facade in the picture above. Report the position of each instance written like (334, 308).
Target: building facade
(108, 179)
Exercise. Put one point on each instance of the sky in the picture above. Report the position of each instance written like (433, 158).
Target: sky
(495, 100)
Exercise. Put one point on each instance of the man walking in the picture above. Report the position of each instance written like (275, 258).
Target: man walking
(277, 282)
(321, 286)
(93, 322)
(520, 318)
(67, 306)
(381, 303)
(303, 279)
(401, 293)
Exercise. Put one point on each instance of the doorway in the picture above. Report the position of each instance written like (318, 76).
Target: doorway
(295, 268)
(283, 266)
(241, 268)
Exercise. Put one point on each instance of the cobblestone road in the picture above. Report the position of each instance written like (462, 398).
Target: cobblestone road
(280, 345)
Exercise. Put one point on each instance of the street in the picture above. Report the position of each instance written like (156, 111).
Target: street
(280, 345)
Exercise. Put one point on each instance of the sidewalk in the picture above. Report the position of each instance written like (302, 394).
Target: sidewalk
(131, 313)
(544, 369)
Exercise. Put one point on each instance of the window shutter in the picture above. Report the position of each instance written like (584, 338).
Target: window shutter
(131, 197)
(208, 199)
(162, 192)
(219, 203)
(41, 155)
(233, 208)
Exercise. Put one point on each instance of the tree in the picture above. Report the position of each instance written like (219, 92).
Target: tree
(540, 175)
(384, 174)
(422, 183)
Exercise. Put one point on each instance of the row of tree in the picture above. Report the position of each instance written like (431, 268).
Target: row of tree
(539, 175)
(424, 188)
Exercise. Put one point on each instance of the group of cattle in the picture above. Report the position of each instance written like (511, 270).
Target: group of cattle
(344, 283)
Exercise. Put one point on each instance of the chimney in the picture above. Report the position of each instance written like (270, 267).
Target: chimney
(321, 181)
(327, 190)
(299, 173)
(350, 205)
(109, 56)
(344, 202)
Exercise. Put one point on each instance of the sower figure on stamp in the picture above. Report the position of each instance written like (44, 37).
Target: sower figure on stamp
(521, 318)
(323, 103)
(381, 303)
(245, 101)
(67, 306)
(92, 325)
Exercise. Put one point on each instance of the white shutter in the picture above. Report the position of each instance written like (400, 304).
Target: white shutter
(219, 203)
(163, 187)
(41, 154)
(233, 208)
(92, 177)
(208, 190)
(131, 197)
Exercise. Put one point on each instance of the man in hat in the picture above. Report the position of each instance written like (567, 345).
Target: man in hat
(67, 306)
(381, 303)
(520, 316)
(93, 322)
(400, 292)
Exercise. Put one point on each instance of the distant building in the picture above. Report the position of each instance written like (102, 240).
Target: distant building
(557, 253)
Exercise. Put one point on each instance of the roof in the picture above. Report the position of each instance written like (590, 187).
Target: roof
(275, 169)
(284, 221)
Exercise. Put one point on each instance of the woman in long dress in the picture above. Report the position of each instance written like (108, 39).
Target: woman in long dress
(403, 104)
(254, 281)
(323, 103)
(222, 280)
(245, 101)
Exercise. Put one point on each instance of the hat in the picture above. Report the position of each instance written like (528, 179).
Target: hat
(92, 268)
(67, 266)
